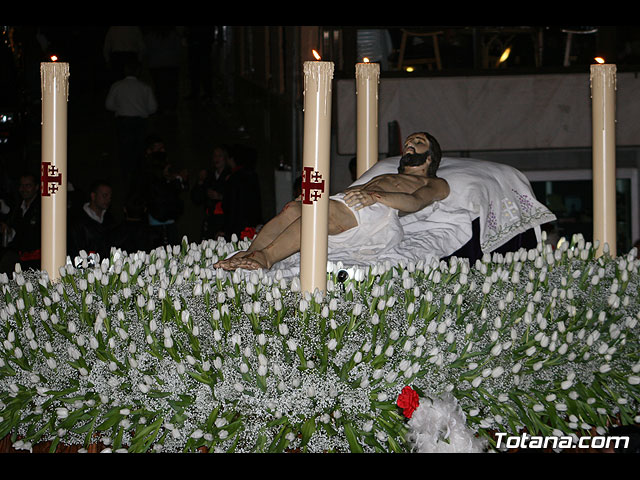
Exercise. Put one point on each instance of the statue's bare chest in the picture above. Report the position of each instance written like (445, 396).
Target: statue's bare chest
(396, 183)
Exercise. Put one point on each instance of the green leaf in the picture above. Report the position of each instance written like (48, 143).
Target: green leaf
(352, 438)
(158, 394)
(54, 444)
(394, 445)
(280, 441)
(200, 377)
(308, 429)
(145, 436)
(112, 418)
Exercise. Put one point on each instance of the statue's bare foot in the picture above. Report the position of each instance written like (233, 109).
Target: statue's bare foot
(227, 263)
(254, 261)
(223, 264)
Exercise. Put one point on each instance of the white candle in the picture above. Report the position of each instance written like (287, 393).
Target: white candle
(367, 81)
(315, 176)
(603, 86)
(53, 169)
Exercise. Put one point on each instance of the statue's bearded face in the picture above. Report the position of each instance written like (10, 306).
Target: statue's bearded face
(414, 151)
(412, 160)
(415, 143)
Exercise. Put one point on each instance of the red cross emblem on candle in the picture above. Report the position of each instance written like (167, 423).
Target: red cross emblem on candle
(50, 179)
(312, 185)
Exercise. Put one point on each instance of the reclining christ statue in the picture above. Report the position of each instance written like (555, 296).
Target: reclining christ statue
(382, 199)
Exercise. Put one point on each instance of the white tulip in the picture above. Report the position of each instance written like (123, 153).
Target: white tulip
(333, 304)
(217, 363)
(62, 412)
(390, 378)
(304, 305)
(604, 368)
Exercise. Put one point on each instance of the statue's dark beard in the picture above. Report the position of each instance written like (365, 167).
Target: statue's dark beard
(412, 160)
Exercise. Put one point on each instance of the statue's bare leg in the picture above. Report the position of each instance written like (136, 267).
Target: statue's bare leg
(288, 242)
(270, 231)
(266, 235)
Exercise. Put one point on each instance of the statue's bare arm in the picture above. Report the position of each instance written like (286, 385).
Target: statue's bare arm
(436, 189)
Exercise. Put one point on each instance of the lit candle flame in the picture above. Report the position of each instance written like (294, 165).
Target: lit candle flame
(316, 54)
(54, 58)
(505, 55)
(599, 59)
(365, 60)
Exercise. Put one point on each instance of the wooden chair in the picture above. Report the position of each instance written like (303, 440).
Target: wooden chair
(435, 60)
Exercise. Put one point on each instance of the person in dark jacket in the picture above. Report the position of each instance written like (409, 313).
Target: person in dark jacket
(208, 192)
(162, 187)
(133, 233)
(242, 202)
(21, 231)
(92, 227)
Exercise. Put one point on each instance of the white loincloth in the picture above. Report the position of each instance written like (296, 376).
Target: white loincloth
(378, 229)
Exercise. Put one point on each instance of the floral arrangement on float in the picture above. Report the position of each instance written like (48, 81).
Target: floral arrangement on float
(161, 352)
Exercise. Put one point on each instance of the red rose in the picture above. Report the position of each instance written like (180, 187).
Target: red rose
(248, 232)
(408, 400)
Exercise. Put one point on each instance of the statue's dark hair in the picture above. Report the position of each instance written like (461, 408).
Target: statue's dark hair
(434, 151)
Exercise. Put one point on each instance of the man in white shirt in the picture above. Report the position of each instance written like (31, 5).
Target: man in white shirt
(132, 102)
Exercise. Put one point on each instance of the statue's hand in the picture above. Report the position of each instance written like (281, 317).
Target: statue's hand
(360, 198)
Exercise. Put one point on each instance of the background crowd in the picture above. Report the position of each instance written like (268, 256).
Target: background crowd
(227, 190)
(141, 205)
